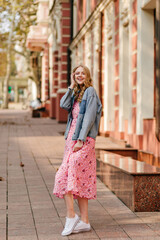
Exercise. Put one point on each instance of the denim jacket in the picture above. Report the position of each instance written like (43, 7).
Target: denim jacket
(89, 115)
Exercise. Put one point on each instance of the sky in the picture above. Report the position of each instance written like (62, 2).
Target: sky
(4, 22)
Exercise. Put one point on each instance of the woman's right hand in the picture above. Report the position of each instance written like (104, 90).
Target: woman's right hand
(72, 81)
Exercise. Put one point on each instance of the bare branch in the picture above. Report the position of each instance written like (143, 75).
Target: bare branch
(18, 52)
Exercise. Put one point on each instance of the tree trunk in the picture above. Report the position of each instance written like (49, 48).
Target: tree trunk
(8, 72)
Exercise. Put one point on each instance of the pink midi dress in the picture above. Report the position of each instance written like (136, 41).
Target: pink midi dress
(77, 173)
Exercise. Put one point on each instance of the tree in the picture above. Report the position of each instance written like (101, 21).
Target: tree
(9, 45)
(16, 17)
(3, 63)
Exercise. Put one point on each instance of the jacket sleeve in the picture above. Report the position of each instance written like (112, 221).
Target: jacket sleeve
(89, 117)
(65, 101)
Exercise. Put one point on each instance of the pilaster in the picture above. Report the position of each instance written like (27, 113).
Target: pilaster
(45, 73)
(64, 40)
(96, 49)
(124, 63)
(145, 66)
(109, 68)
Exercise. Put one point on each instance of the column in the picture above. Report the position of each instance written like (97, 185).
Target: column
(45, 73)
(109, 68)
(145, 67)
(124, 63)
(96, 49)
(61, 114)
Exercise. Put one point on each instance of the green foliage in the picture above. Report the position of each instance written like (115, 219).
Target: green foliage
(24, 18)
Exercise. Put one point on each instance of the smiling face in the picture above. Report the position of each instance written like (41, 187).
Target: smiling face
(80, 75)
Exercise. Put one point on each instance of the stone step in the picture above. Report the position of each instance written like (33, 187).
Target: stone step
(135, 182)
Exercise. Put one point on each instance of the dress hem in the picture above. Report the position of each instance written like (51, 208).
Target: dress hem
(75, 195)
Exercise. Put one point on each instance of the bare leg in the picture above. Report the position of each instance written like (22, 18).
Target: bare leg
(69, 205)
(83, 207)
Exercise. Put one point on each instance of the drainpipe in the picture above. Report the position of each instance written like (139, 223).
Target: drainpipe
(158, 70)
(68, 50)
(100, 59)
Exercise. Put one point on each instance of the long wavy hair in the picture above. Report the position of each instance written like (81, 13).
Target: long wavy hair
(79, 91)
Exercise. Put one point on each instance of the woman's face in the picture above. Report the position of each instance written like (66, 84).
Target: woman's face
(80, 75)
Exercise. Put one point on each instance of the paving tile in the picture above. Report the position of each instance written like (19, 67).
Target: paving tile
(17, 204)
(38, 213)
(146, 238)
(20, 219)
(47, 219)
(3, 233)
(51, 237)
(30, 237)
(3, 218)
(138, 230)
(18, 199)
(111, 231)
(49, 228)
(22, 232)
(102, 223)
(42, 205)
(3, 225)
(154, 226)
(20, 224)
(97, 208)
(84, 235)
(3, 205)
(126, 218)
(41, 147)
(149, 217)
(119, 238)
(19, 210)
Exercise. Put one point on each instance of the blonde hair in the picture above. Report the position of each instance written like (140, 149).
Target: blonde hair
(78, 92)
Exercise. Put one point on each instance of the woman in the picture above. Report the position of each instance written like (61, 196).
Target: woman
(76, 177)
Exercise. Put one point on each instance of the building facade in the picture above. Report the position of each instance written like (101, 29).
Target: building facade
(117, 40)
(51, 37)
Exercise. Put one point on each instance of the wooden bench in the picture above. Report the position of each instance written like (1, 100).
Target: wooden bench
(136, 183)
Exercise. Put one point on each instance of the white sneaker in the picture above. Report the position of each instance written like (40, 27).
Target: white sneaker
(70, 225)
(82, 227)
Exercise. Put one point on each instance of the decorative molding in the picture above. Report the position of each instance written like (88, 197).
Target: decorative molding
(88, 45)
(55, 22)
(148, 4)
(124, 14)
(80, 52)
(75, 3)
(53, 95)
(73, 57)
(51, 2)
(62, 90)
(88, 49)
(97, 28)
(109, 20)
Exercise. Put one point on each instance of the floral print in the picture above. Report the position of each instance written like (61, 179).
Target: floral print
(77, 173)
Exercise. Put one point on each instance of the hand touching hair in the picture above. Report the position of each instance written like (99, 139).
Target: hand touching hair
(79, 91)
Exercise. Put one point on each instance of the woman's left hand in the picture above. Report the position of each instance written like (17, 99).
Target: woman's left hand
(78, 146)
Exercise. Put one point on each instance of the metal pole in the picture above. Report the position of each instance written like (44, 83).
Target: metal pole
(158, 70)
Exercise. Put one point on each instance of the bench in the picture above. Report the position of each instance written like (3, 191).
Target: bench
(134, 182)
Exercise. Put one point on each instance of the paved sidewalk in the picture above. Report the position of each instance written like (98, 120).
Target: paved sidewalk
(28, 209)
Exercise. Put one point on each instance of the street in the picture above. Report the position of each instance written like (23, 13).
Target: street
(31, 150)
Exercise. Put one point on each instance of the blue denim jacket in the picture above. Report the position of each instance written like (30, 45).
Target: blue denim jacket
(88, 117)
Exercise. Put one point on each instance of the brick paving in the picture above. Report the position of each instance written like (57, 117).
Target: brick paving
(28, 209)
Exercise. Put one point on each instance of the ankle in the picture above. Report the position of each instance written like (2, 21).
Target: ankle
(85, 220)
(71, 215)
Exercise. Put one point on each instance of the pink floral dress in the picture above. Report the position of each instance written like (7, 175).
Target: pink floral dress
(77, 173)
